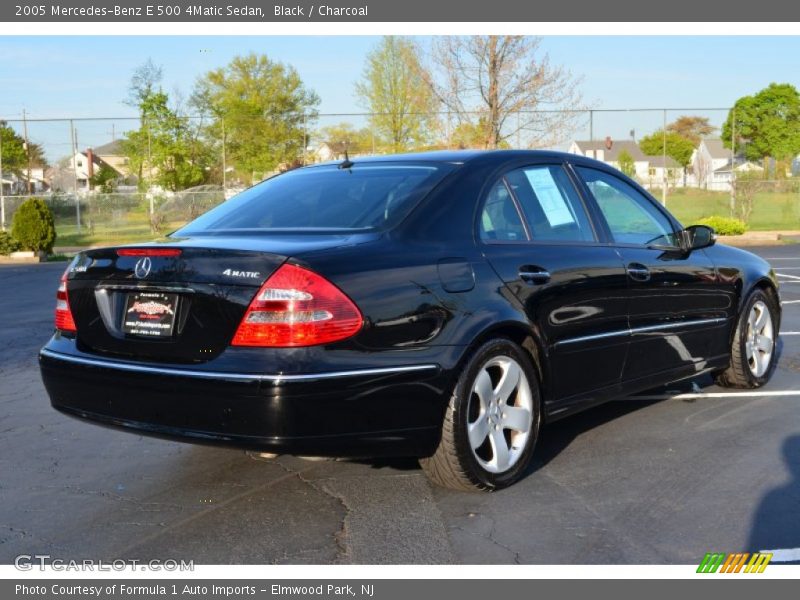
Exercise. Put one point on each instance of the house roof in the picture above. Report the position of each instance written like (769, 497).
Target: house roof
(611, 154)
(113, 148)
(716, 148)
(726, 168)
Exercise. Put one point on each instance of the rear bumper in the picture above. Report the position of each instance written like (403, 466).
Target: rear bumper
(381, 411)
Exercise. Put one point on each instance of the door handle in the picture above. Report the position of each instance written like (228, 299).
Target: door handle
(534, 275)
(638, 272)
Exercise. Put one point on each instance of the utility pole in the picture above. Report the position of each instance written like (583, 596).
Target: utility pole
(664, 148)
(305, 135)
(224, 163)
(733, 162)
(74, 135)
(149, 158)
(27, 149)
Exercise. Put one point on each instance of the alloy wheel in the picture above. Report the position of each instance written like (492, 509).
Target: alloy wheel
(500, 414)
(760, 339)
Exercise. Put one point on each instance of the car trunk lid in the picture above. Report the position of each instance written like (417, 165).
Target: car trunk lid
(178, 302)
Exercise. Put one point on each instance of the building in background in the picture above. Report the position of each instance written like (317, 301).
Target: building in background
(713, 165)
(649, 171)
(113, 155)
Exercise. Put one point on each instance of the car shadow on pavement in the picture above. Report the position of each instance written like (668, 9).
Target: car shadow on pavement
(557, 436)
(776, 520)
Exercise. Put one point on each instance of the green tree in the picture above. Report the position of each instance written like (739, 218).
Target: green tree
(358, 141)
(105, 179)
(145, 81)
(626, 163)
(394, 90)
(14, 156)
(164, 150)
(691, 127)
(262, 106)
(766, 124)
(33, 226)
(678, 147)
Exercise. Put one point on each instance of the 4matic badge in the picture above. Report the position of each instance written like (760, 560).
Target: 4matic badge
(235, 273)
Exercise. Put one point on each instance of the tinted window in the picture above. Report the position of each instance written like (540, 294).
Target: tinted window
(500, 219)
(551, 205)
(362, 197)
(631, 216)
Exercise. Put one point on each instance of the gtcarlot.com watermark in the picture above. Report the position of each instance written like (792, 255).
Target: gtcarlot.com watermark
(44, 562)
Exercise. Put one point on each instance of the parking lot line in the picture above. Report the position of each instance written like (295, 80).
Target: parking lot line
(697, 395)
(783, 554)
(790, 333)
(788, 276)
(790, 302)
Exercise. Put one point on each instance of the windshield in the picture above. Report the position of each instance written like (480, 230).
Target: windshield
(370, 196)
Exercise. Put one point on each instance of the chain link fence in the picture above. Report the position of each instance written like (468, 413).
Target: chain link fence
(99, 219)
(76, 148)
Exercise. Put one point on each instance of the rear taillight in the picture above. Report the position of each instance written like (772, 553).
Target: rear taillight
(297, 307)
(64, 320)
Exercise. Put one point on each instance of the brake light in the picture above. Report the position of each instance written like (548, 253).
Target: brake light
(297, 307)
(149, 252)
(64, 320)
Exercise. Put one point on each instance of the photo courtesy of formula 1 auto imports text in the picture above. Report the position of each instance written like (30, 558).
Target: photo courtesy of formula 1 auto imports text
(380, 300)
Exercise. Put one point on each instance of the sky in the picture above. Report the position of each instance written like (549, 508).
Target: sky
(87, 76)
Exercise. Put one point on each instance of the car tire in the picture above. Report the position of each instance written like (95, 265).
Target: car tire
(487, 438)
(755, 344)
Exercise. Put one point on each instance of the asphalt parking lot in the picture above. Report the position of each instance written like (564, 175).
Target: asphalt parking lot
(662, 479)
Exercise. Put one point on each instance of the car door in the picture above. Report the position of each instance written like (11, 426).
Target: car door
(677, 305)
(535, 231)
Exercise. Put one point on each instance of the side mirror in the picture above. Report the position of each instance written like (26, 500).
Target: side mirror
(699, 236)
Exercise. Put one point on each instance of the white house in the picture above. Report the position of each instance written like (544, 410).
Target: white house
(650, 171)
(75, 171)
(17, 183)
(713, 165)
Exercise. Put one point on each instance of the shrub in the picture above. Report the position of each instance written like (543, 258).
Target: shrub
(724, 225)
(33, 226)
(7, 243)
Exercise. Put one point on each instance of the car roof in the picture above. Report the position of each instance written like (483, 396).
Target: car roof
(465, 157)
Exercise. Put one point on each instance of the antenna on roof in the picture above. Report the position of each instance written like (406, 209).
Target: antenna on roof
(346, 163)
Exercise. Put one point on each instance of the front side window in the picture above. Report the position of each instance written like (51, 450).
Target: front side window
(631, 216)
(362, 197)
(551, 204)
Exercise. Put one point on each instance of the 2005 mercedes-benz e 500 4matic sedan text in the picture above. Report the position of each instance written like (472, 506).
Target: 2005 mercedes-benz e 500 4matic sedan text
(440, 305)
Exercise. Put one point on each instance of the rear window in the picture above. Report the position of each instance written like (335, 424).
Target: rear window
(362, 197)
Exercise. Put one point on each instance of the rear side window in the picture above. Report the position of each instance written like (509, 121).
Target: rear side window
(551, 204)
(500, 218)
(363, 197)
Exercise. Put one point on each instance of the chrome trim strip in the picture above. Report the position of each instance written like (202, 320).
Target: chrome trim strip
(106, 364)
(144, 286)
(632, 331)
(677, 325)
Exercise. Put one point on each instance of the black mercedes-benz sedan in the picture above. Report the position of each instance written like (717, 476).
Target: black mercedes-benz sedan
(442, 305)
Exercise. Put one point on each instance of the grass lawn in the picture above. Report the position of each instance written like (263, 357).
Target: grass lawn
(131, 227)
(771, 210)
